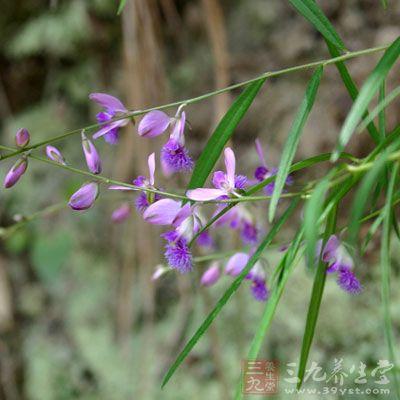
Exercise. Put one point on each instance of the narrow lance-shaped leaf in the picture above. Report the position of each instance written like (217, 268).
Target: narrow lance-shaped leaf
(222, 134)
(310, 10)
(385, 275)
(366, 94)
(230, 291)
(290, 147)
(362, 196)
(315, 301)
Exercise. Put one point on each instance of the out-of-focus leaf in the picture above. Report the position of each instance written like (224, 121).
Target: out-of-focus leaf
(310, 10)
(121, 6)
(290, 147)
(366, 94)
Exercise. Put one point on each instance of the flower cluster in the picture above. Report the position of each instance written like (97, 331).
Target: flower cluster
(183, 218)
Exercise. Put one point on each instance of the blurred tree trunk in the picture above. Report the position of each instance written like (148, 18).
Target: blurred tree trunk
(215, 24)
(144, 83)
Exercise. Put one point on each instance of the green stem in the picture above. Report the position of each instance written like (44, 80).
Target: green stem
(269, 74)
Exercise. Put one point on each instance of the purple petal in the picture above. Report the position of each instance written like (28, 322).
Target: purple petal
(183, 213)
(175, 158)
(92, 157)
(119, 187)
(153, 124)
(348, 281)
(54, 154)
(22, 137)
(230, 165)
(211, 275)
(219, 179)
(85, 197)
(112, 137)
(259, 290)
(152, 167)
(236, 264)
(109, 127)
(15, 173)
(202, 194)
(121, 213)
(108, 102)
(260, 152)
(162, 212)
(179, 128)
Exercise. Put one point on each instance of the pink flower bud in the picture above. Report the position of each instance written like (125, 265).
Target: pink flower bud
(93, 160)
(15, 173)
(85, 197)
(22, 137)
(55, 155)
(211, 275)
(121, 213)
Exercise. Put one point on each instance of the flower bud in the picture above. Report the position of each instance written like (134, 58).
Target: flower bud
(159, 272)
(93, 160)
(55, 155)
(85, 197)
(211, 275)
(121, 213)
(22, 137)
(15, 173)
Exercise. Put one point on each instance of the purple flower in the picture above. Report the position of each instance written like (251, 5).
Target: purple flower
(340, 261)
(249, 233)
(211, 275)
(154, 123)
(178, 255)
(236, 264)
(55, 155)
(259, 290)
(263, 172)
(162, 212)
(121, 213)
(85, 197)
(175, 158)
(348, 282)
(93, 160)
(224, 183)
(15, 173)
(112, 108)
(205, 240)
(22, 137)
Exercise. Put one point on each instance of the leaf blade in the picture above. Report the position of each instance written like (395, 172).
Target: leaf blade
(121, 6)
(365, 96)
(293, 139)
(310, 10)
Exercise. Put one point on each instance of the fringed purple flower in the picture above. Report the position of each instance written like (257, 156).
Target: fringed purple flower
(178, 255)
(348, 282)
(55, 155)
(205, 240)
(339, 260)
(92, 157)
(85, 197)
(174, 155)
(22, 137)
(15, 173)
(249, 233)
(175, 158)
(224, 183)
(112, 108)
(259, 290)
(211, 275)
(121, 214)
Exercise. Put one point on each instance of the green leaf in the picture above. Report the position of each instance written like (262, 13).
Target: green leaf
(312, 213)
(290, 147)
(121, 6)
(310, 10)
(385, 272)
(351, 88)
(379, 108)
(222, 134)
(362, 196)
(315, 301)
(384, 4)
(366, 94)
(229, 292)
